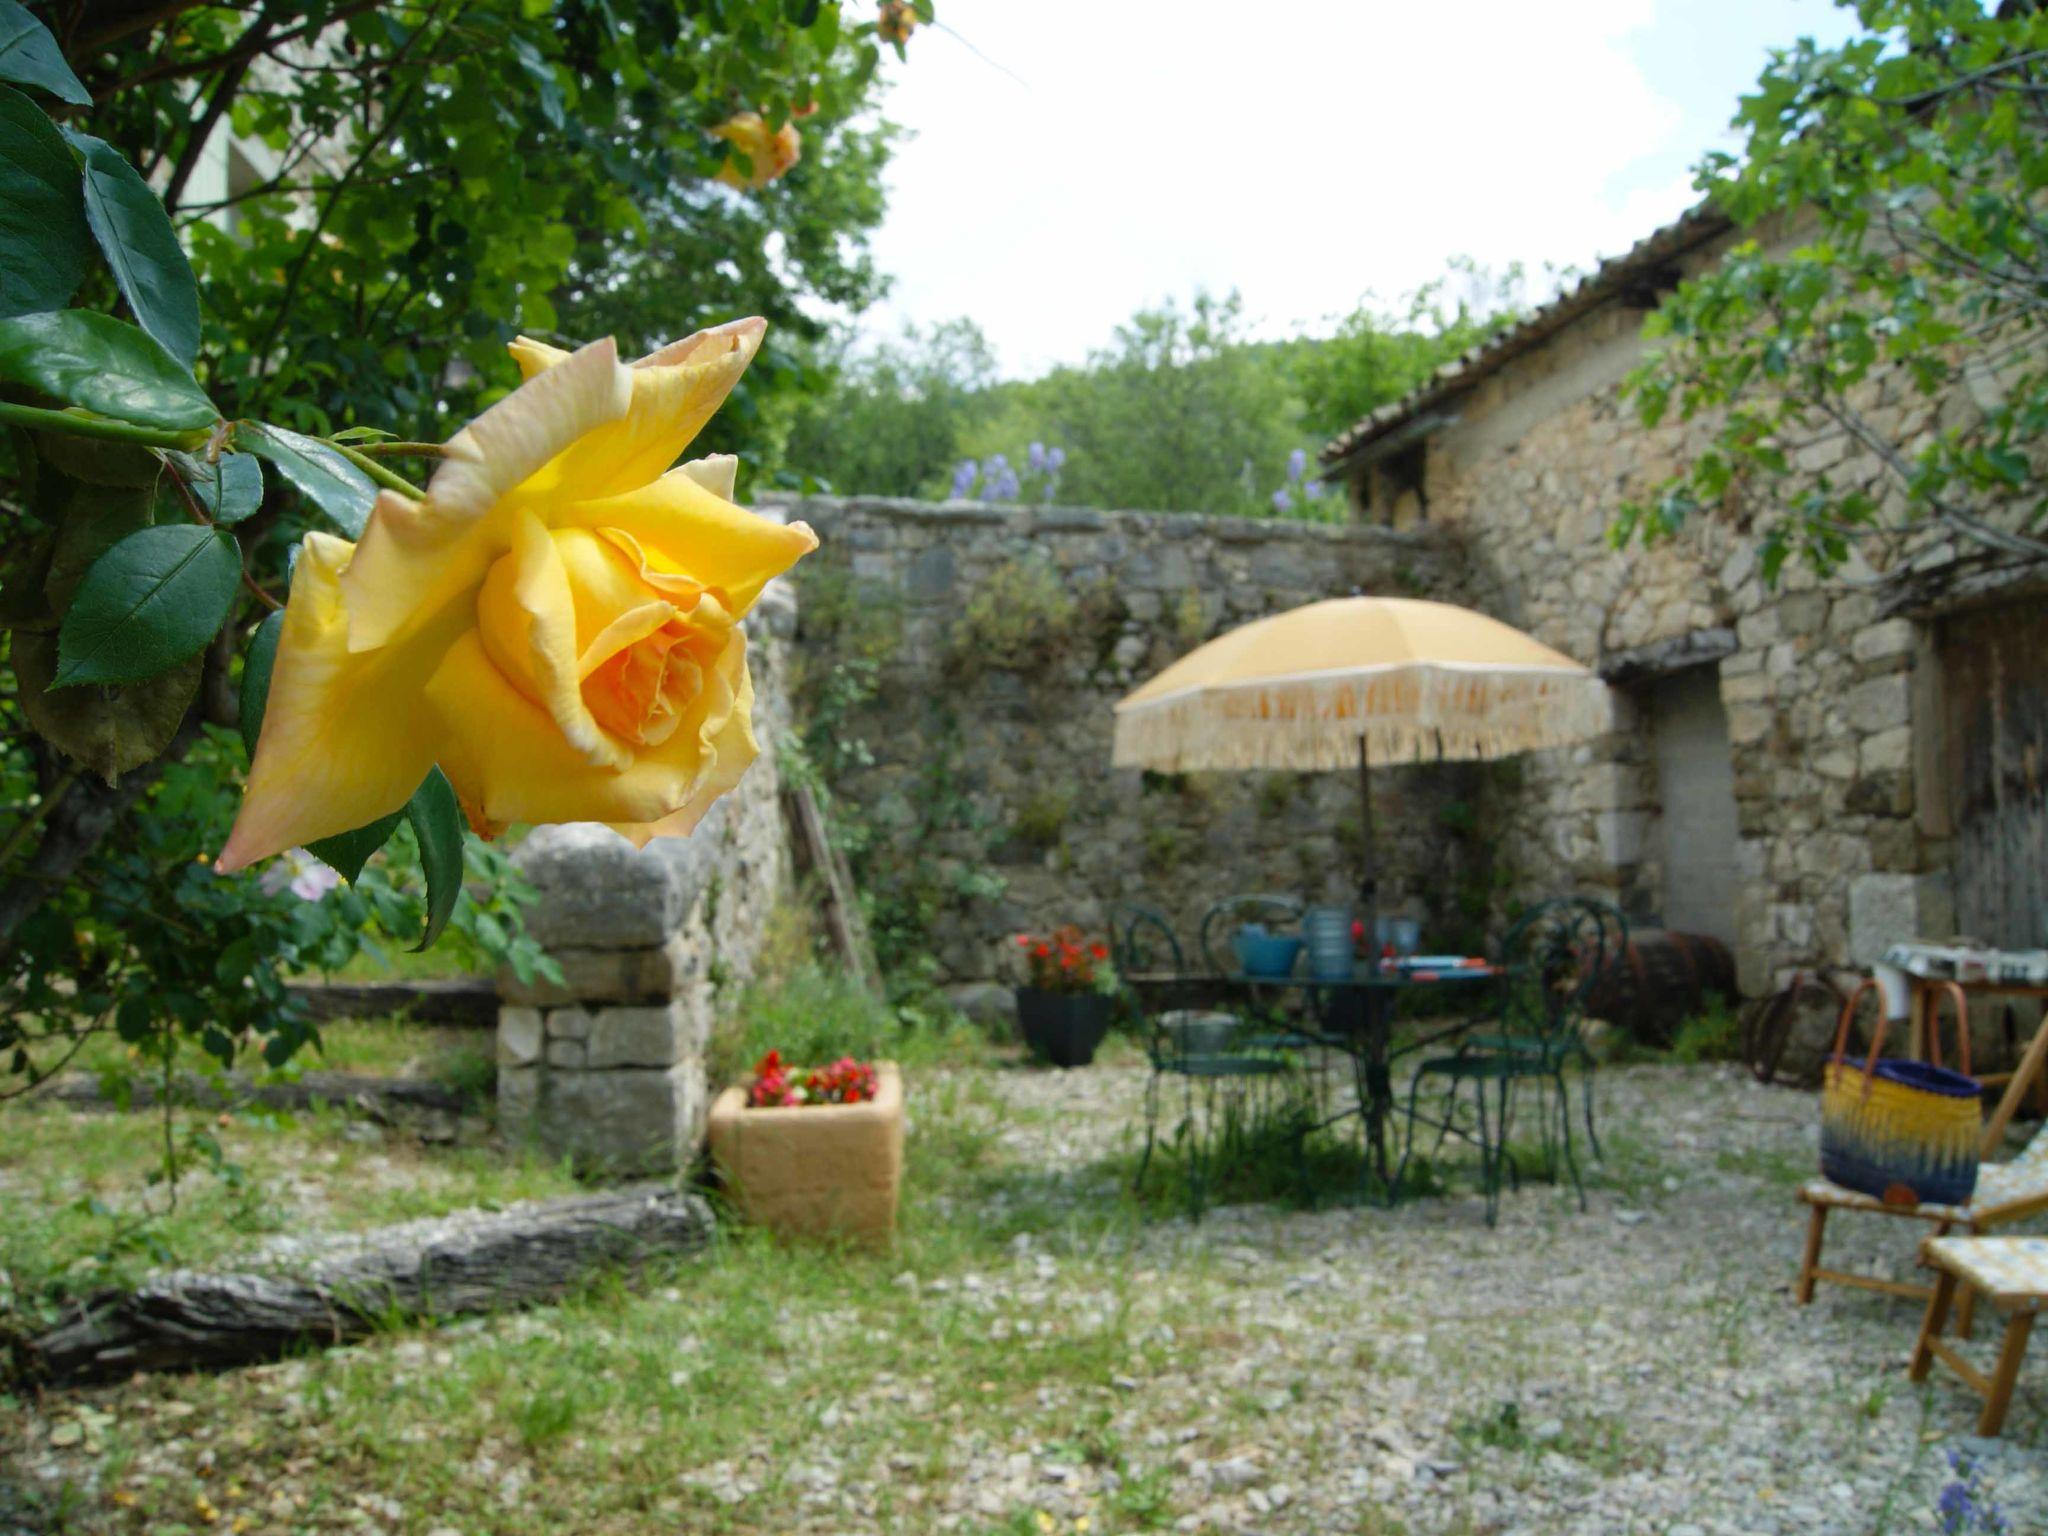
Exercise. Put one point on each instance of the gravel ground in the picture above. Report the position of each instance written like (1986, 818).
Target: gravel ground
(1640, 1367)
(1635, 1368)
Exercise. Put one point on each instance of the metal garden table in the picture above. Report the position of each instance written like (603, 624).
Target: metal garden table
(1356, 1014)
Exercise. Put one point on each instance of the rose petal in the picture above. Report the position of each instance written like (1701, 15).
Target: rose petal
(345, 735)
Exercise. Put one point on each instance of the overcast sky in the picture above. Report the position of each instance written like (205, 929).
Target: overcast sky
(1101, 155)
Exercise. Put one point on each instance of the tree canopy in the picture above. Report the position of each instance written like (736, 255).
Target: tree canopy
(1181, 411)
(1870, 355)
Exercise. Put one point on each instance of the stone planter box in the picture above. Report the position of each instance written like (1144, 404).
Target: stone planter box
(826, 1170)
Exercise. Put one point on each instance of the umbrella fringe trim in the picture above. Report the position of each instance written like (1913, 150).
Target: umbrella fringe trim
(1406, 715)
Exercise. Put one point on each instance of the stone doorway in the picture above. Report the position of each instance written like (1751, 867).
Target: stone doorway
(1692, 839)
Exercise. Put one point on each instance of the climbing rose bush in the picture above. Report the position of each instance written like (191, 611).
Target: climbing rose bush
(556, 624)
(770, 152)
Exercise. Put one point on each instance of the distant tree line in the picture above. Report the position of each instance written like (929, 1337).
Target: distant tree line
(1180, 412)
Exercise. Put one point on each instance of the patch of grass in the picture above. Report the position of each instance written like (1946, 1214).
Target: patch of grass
(1774, 1165)
(80, 1210)
(1712, 1034)
(815, 1013)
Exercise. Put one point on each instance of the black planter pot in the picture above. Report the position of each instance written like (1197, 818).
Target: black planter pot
(1062, 1028)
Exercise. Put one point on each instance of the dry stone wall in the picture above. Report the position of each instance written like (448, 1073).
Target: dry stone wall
(978, 767)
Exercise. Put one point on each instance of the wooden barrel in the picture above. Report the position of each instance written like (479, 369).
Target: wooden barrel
(1657, 979)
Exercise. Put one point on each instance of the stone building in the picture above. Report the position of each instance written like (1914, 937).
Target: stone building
(1809, 770)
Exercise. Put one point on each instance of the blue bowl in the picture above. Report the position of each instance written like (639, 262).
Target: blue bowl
(1267, 954)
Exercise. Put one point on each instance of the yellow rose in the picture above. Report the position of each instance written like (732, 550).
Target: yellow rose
(896, 21)
(556, 624)
(771, 154)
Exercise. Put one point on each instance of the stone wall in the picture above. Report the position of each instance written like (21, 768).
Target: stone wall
(608, 1067)
(1824, 687)
(1000, 637)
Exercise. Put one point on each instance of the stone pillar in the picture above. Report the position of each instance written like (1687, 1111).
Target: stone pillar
(608, 1068)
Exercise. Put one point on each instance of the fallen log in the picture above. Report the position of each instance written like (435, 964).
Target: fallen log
(346, 1287)
(466, 1000)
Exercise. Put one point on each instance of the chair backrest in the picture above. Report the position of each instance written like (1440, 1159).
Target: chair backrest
(1560, 950)
(1142, 941)
(1233, 911)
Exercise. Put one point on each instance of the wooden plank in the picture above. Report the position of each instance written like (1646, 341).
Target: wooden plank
(1994, 674)
(845, 927)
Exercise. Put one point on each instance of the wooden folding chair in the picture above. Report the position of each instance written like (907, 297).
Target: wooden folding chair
(2005, 1193)
(2009, 1272)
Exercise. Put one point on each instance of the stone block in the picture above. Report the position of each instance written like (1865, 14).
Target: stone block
(609, 976)
(647, 1037)
(1886, 909)
(1621, 835)
(568, 1024)
(519, 1037)
(518, 1101)
(567, 1054)
(1884, 641)
(625, 1120)
(930, 576)
(1888, 751)
(1881, 703)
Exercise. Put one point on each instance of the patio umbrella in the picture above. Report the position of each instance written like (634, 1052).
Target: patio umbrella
(1365, 680)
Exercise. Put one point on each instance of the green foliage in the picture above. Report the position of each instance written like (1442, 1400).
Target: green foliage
(1041, 821)
(1871, 356)
(1181, 412)
(1712, 1034)
(1373, 357)
(896, 418)
(1018, 618)
(418, 214)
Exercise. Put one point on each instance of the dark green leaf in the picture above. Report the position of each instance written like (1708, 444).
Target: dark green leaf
(30, 56)
(136, 237)
(228, 491)
(256, 664)
(44, 244)
(347, 852)
(104, 365)
(542, 74)
(437, 820)
(316, 471)
(152, 601)
(108, 730)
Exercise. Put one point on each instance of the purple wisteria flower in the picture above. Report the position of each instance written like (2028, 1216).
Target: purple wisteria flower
(1314, 490)
(1056, 459)
(1297, 464)
(1282, 502)
(1034, 458)
(965, 473)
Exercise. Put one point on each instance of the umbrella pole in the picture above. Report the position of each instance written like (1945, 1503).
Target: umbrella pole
(1369, 887)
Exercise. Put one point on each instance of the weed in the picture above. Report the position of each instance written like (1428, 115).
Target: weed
(1712, 1034)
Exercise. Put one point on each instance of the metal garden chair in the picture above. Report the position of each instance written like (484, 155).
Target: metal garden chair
(1553, 957)
(1228, 1074)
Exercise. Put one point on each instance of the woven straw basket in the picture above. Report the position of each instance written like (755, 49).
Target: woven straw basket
(1905, 1132)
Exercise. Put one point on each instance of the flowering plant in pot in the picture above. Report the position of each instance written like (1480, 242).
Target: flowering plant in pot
(1064, 1005)
(817, 1153)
